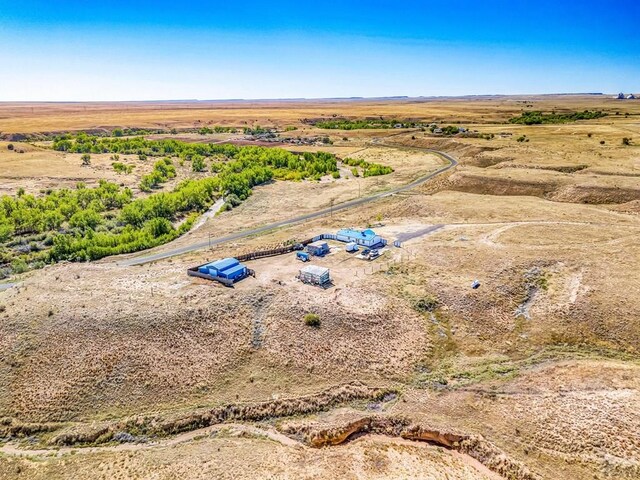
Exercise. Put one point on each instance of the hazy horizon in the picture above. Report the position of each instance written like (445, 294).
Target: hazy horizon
(153, 51)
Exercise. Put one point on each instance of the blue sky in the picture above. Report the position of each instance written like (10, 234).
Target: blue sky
(148, 50)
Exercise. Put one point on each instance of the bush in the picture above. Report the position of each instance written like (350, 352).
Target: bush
(626, 141)
(233, 200)
(425, 304)
(197, 163)
(312, 320)
(10, 146)
(602, 142)
(121, 168)
(86, 160)
(336, 174)
(19, 266)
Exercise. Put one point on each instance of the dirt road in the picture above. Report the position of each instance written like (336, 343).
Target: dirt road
(141, 260)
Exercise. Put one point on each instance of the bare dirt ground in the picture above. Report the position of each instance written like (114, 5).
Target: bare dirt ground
(541, 361)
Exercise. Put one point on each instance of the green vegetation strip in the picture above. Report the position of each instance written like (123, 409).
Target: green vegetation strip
(365, 123)
(538, 118)
(91, 223)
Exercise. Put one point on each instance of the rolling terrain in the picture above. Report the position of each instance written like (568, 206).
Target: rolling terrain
(125, 367)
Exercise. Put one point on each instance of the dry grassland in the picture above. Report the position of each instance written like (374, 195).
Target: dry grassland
(541, 360)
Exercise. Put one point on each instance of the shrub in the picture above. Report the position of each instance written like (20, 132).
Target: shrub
(197, 163)
(85, 220)
(626, 141)
(312, 320)
(19, 266)
(233, 200)
(602, 142)
(121, 168)
(336, 174)
(10, 146)
(428, 303)
(86, 159)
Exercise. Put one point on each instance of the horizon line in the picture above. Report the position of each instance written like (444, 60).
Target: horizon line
(303, 99)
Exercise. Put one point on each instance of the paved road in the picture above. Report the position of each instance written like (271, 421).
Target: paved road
(302, 218)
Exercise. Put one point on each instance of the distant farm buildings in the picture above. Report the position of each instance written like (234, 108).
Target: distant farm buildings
(621, 96)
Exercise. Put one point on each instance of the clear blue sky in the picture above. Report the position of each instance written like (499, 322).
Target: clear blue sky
(144, 50)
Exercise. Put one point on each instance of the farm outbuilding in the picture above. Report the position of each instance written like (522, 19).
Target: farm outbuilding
(228, 268)
(366, 238)
(315, 275)
(318, 248)
(351, 247)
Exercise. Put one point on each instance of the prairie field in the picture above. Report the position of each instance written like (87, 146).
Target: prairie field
(115, 370)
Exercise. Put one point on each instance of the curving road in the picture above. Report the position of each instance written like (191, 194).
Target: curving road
(452, 162)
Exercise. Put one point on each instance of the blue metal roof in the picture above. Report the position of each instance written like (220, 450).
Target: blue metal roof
(224, 264)
(234, 272)
(350, 232)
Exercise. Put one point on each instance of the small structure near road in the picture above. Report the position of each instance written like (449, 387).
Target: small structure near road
(366, 238)
(319, 248)
(315, 275)
(302, 256)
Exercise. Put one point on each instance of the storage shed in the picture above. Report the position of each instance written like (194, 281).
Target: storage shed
(315, 275)
(233, 273)
(229, 268)
(367, 238)
(318, 248)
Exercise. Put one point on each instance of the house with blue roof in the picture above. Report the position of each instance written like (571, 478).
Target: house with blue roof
(366, 238)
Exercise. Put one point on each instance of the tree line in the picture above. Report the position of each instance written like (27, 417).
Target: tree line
(90, 223)
(538, 117)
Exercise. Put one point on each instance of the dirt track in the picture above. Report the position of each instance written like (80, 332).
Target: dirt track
(302, 218)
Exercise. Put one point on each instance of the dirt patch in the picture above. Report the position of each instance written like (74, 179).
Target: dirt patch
(475, 446)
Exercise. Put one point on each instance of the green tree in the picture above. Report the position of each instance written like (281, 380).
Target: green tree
(86, 160)
(85, 220)
(197, 163)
